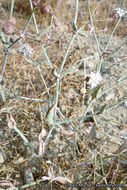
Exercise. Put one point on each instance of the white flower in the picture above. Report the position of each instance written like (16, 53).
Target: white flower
(25, 50)
(126, 103)
(120, 12)
(95, 79)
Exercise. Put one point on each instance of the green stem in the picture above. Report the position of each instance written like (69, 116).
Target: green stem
(66, 53)
(4, 63)
(46, 56)
(58, 79)
(33, 15)
(111, 87)
(76, 13)
(43, 80)
(92, 25)
(3, 11)
(109, 39)
(84, 114)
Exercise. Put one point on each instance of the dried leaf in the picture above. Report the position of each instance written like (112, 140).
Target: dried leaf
(45, 178)
(7, 183)
(72, 176)
(62, 180)
(69, 133)
(50, 115)
(41, 147)
(10, 120)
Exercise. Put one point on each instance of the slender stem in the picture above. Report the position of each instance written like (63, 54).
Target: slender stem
(12, 7)
(31, 99)
(111, 87)
(102, 166)
(93, 30)
(3, 11)
(38, 67)
(11, 45)
(109, 39)
(31, 184)
(8, 41)
(4, 63)
(78, 118)
(4, 99)
(58, 79)
(29, 20)
(33, 15)
(84, 114)
(11, 13)
(116, 104)
(66, 53)
(24, 31)
(76, 13)
(55, 111)
(24, 139)
(57, 5)
(111, 35)
(46, 56)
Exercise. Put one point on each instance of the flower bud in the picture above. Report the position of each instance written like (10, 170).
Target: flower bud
(45, 9)
(7, 28)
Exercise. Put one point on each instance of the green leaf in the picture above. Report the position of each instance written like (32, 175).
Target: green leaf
(95, 91)
(102, 109)
(74, 26)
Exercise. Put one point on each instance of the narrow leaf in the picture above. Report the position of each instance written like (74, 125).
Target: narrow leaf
(50, 115)
(95, 91)
(102, 109)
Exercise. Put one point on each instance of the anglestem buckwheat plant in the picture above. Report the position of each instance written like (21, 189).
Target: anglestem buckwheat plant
(52, 97)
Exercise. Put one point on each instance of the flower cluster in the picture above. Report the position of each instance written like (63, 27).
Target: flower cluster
(126, 103)
(9, 26)
(25, 50)
(120, 12)
(95, 79)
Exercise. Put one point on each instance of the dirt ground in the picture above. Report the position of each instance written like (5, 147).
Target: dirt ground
(97, 153)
